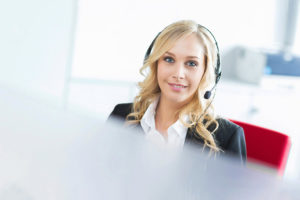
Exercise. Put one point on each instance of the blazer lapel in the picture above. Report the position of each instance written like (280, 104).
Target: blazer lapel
(192, 139)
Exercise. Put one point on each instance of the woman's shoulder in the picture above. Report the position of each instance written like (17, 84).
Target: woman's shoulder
(120, 111)
(230, 137)
(227, 130)
(225, 124)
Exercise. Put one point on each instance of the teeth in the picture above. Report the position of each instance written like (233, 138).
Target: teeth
(178, 86)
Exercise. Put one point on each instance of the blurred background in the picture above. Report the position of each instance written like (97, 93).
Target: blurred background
(85, 55)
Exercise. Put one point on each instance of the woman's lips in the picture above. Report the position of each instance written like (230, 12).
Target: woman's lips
(177, 87)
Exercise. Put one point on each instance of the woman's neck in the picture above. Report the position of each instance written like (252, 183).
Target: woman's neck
(166, 115)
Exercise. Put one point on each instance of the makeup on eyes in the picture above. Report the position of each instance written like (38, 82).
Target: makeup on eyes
(190, 63)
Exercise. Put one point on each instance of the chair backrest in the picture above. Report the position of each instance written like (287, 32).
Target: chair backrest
(266, 146)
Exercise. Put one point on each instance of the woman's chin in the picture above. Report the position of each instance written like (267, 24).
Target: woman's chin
(178, 100)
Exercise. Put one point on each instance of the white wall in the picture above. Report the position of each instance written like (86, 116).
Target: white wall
(36, 38)
(296, 48)
(112, 37)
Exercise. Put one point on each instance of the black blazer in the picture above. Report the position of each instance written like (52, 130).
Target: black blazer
(229, 136)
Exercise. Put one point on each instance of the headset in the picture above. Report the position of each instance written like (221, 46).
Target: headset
(218, 70)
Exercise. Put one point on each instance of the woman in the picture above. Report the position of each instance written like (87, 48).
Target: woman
(173, 106)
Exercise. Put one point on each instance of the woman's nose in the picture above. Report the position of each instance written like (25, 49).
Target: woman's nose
(179, 71)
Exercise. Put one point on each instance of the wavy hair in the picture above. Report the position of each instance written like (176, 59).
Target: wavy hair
(149, 88)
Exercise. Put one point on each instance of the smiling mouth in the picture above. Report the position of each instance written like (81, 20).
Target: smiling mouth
(177, 85)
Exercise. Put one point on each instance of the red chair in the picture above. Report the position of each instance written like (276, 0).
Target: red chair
(266, 146)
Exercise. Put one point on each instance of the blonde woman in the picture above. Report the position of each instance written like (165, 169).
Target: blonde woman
(174, 105)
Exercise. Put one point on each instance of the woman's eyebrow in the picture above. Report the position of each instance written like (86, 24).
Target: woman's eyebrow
(172, 54)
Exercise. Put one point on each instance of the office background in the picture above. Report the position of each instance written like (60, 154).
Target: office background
(84, 55)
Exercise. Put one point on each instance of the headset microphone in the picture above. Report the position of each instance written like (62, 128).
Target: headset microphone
(208, 93)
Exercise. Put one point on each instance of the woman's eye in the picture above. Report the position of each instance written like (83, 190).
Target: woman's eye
(192, 64)
(169, 59)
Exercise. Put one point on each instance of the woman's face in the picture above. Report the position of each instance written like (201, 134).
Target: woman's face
(180, 70)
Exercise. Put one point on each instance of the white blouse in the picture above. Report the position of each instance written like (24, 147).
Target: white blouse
(176, 132)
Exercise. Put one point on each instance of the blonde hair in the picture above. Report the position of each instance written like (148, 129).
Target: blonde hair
(149, 88)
